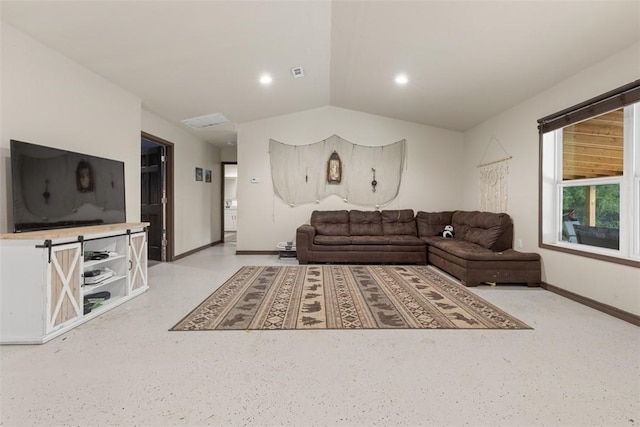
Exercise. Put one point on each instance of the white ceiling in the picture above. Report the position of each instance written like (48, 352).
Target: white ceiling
(466, 60)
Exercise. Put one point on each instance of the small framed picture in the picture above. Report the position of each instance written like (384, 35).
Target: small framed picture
(198, 174)
(207, 175)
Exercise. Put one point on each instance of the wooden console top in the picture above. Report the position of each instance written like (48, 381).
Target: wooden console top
(72, 231)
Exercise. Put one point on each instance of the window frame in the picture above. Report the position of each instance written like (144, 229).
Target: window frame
(551, 182)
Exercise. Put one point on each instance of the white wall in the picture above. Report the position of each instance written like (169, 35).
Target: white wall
(516, 130)
(197, 204)
(229, 154)
(432, 179)
(47, 99)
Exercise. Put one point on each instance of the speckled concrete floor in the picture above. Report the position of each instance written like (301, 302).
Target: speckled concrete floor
(577, 367)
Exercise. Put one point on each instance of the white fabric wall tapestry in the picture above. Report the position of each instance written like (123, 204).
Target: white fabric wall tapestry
(493, 181)
(369, 176)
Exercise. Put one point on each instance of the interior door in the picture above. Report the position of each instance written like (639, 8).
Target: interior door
(229, 184)
(152, 207)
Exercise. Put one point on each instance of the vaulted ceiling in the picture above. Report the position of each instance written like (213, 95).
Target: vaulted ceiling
(466, 60)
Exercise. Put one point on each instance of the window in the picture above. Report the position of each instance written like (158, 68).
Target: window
(590, 177)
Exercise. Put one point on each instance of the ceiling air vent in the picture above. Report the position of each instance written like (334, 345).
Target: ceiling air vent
(297, 72)
(209, 120)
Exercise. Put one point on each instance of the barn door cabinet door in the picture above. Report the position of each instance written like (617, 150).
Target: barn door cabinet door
(137, 263)
(63, 286)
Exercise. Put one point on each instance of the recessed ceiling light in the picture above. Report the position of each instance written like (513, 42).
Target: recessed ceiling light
(402, 79)
(266, 79)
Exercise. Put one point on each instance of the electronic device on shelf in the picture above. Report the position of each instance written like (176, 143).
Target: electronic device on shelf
(92, 277)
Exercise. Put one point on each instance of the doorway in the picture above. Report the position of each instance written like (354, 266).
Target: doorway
(156, 196)
(229, 184)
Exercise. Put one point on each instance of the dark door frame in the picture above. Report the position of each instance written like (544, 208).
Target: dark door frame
(170, 230)
(223, 164)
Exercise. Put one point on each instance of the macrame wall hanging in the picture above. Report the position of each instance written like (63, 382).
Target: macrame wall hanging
(494, 180)
(360, 175)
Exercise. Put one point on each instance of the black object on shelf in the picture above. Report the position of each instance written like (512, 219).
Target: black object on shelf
(95, 300)
(88, 306)
(104, 295)
(96, 255)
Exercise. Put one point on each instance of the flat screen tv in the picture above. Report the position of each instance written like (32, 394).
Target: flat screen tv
(55, 188)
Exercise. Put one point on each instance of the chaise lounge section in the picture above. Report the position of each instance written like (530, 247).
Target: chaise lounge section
(481, 250)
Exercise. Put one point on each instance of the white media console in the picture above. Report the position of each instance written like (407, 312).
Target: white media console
(42, 290)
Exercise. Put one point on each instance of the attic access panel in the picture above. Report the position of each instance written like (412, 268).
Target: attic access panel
(206, 121)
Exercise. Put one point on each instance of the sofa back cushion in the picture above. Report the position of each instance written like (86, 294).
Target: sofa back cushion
(331, 223)
(490, 230)
(363, 223)
(399, 222)
(432, 223)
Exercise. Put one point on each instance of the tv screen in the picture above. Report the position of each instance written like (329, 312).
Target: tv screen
(55, 188)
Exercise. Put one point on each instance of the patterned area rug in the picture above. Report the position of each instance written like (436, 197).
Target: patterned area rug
(344, 297)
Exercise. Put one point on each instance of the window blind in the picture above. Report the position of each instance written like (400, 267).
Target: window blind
(612, 100)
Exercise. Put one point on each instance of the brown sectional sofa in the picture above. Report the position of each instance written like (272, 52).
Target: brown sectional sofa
(481, 250)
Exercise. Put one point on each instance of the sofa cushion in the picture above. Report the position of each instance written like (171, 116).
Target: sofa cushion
(405, 240)
(457, 247)
(432, 223)
(369, 240)
(363, 223)
(467, 251)
(331, 223)
(326, 240)
(399, 222)
(482, 228)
